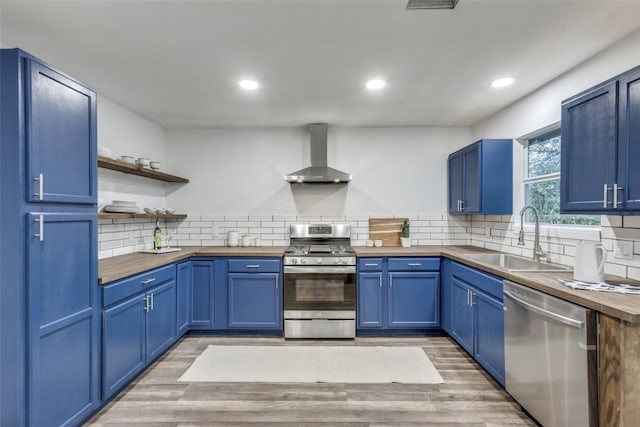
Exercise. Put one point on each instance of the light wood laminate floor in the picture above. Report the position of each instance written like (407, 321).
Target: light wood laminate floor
(469, 397)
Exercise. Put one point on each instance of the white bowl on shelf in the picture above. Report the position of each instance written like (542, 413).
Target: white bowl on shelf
(170, 211)
(149, 210)
(154, 165)
(160, 211)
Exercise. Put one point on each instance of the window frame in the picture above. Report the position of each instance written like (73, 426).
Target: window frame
(525, 179)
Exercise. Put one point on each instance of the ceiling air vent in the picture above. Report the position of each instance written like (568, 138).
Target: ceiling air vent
(431, 4)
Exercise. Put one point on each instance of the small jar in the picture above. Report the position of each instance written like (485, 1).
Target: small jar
(245, 240)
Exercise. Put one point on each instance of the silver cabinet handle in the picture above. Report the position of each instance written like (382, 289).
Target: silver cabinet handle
(391, 281)
(253, 265)
(40, 192)
(146, 303)
(146, 282)
(461, 205)
(372, 264)
(458, 205)
(615, 195)
(151, 301)
(471, 303)
(414, 264)
(467, 296)
(380, 281)
(40, 219)
(605, 195)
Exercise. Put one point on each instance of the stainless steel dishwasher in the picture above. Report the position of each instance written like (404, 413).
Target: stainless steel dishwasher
(550, 357)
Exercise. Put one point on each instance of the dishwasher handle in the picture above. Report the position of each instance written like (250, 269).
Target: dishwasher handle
(546, 313)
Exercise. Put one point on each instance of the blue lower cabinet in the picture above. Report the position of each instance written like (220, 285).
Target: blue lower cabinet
(446, 297)
(161, 319)
(203, 293)
(462, 319)
(184, 283)
(138, 325)
(414, 300)
(370, 300)
(63, 313)
(398, 293)
(489, 336)
(255, 300)
(123, 343)
(475, 313)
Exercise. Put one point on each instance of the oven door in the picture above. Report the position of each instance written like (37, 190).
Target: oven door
(320, 289)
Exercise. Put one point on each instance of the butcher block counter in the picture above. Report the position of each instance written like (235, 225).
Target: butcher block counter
(118, 267)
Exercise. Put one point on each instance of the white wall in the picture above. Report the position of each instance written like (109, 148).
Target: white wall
(240, 171)
(127, 133)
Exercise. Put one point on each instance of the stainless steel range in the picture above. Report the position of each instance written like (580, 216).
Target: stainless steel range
(320, 282)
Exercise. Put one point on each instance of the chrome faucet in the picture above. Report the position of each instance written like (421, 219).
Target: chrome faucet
(537, 249)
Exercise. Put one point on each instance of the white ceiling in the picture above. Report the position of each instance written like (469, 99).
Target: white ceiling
(178, 62)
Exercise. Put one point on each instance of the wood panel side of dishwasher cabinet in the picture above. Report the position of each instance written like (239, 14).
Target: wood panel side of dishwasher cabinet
(619, 372)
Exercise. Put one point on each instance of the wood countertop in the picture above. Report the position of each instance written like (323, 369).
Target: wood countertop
(121, 266)
(621, 306)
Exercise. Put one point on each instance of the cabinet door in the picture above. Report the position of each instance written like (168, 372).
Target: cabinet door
(61, 138)
(462, 315)
(472, 181)
(183, 297)
(446, 297)
(202, 295)
(589, 150)
(63, 316)
(370, 298)
(161, 319)
(413, 300)
(255, 300)
(489, 334)
(630, 140)
(123, 343)
(455, 182)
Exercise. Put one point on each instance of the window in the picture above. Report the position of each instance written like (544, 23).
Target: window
(542, 182)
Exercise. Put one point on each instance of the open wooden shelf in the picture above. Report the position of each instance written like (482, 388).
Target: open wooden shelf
(117, 165)
(110, 215)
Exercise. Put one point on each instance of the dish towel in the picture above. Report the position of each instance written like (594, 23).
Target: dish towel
(620, 288)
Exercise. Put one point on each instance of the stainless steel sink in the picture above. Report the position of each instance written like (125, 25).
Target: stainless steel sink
(517, 263)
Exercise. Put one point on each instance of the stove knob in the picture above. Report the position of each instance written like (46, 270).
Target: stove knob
(319, 260)
(343, 261)
(294, 260)
(303, 261)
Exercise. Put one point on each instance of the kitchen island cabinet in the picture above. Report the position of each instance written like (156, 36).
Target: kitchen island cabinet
(600, 134)
(398, 294)
(49, 310)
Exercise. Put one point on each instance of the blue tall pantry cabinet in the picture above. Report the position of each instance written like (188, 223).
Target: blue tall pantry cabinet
(49, 318)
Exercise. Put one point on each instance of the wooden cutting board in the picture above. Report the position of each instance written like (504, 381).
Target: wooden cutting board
(386, 229)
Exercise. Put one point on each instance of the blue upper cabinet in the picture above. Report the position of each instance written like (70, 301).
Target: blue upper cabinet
(600, 143)
(481, 178)
(60, 137)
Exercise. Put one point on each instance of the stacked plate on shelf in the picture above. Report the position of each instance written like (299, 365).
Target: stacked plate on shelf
(122, 206)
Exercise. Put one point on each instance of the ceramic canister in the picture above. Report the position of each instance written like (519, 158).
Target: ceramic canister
(233, 238)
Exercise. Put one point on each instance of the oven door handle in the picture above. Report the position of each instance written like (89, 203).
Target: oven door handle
(320, 269)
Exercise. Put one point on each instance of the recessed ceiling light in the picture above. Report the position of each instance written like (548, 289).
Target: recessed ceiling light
(504, 82)
(376, 84)
(248, 84)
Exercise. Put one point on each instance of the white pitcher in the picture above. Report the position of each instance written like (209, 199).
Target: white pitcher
(589, 263)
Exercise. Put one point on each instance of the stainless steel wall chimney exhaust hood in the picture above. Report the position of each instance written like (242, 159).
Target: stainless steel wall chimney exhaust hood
(318, 172)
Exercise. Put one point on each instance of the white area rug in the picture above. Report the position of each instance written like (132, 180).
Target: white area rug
(310, 364)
